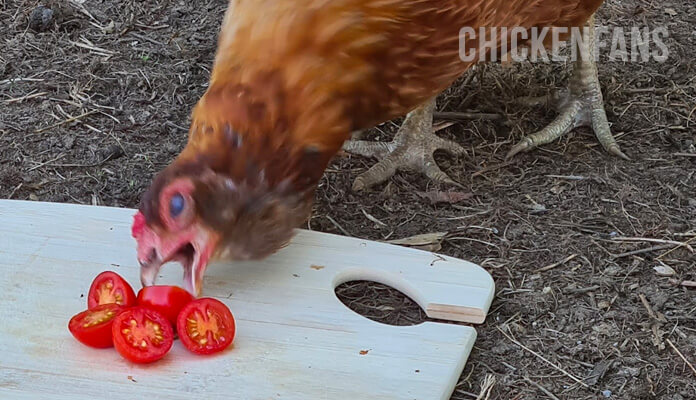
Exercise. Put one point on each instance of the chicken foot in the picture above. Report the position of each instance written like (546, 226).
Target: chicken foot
(411, 150)
(581, 104)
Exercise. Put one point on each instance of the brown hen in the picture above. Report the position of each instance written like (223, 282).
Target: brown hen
(291, 80)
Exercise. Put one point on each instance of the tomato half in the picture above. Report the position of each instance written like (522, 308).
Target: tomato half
(110, 287)
(206, 326)
(93, 327)
(168, 300)
(142, 335)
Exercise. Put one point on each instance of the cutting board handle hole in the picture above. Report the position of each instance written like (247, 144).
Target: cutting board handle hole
(380, 303)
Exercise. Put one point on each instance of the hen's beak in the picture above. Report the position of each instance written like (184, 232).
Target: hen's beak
(191, 247)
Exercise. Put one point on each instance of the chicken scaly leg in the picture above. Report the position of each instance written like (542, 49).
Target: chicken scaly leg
(581, 104)
(411, 150)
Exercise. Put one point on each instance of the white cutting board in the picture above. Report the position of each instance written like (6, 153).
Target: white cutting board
(295, 339)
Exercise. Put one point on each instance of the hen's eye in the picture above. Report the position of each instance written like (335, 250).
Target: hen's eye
(176, 205)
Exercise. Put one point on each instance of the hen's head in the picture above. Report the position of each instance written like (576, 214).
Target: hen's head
(245, 180)
(194, 213)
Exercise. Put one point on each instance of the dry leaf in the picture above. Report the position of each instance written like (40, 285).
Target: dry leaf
(420, 240)
(671, 12)
(363, 352)
(316, 267)
(537, 208)
(429, 247)
(450, 197)
(664, 270)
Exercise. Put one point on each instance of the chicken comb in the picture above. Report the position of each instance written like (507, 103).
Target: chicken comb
(138, 224)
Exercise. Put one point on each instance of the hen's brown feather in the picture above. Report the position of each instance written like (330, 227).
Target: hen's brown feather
(293, 76)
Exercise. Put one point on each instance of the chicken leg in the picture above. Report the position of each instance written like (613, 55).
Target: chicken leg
(411, 150)
(581, 104)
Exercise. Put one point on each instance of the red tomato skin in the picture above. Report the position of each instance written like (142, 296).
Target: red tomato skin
(99, 335)
(167, 300)
(120, 285)
(127, 351)
(202, 304)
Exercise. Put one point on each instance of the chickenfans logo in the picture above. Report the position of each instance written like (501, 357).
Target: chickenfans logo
(548, 44)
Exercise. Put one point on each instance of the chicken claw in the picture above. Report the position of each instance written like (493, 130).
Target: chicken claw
(581, 105)
(411, 150)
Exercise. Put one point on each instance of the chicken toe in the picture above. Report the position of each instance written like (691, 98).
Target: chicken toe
(581, 105)
(411, 150)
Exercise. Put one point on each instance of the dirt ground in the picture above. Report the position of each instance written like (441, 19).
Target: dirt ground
(95, 99)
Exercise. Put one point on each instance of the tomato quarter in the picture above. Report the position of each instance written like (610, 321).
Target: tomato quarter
(93, 327)
(168, 300)
(206, 326)
(110, 287)
(142, 335)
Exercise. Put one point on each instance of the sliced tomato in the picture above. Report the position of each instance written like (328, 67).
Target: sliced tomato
(93, 327)
(110, 287)
(206, 326)
(168, 300)
(142, 335)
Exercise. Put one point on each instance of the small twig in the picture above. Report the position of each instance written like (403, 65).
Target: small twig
(679, 353)
(465, 393)
(15, 190)
(583, 290)
(143, 37)
(652, 240)
(45, 163)
(543, 389)
(83, 10)
(486, 387)
(685, 234)
(465, 115)
(492, 168)
(674, 248)
(89, 46)
(152, 27)
(372, 218)
(642, 251)
(685, 154)
(689, 284)
(67, 121)
(337, 225)
(556, 264)
(647, 306)
(568, 177)
(556, 367)
(17, 80)
(26, 97)
(173, 125)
